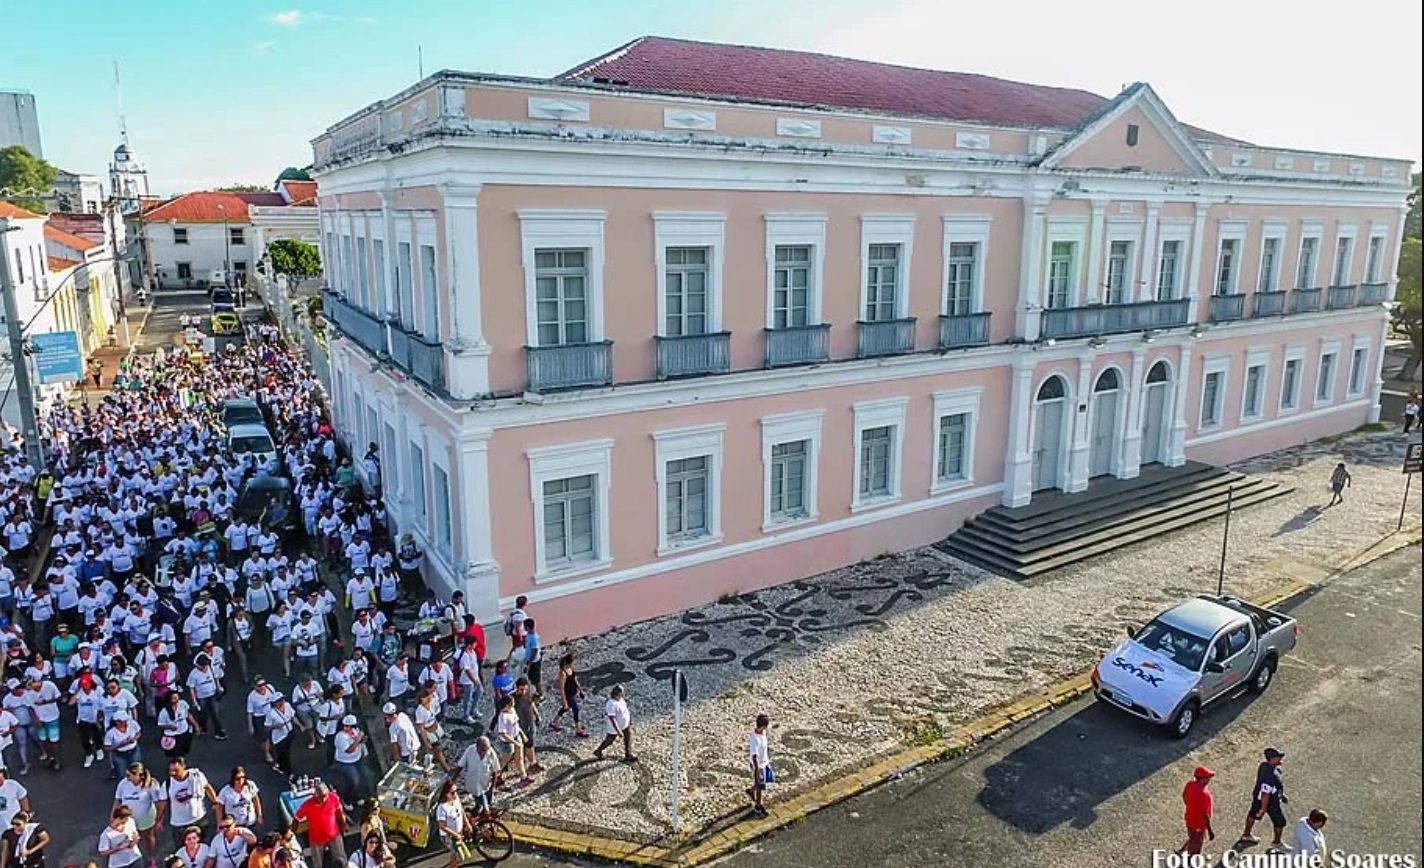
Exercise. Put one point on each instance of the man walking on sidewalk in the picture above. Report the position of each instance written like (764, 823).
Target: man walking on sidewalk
(1339, 481)
(1411, 412)
(1196, 796)
(619, 724)
(1267, 797)
(759, 754)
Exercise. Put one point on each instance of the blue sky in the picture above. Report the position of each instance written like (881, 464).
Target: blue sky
(232, 91)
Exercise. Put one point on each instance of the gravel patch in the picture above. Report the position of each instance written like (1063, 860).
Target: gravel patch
(866, 660)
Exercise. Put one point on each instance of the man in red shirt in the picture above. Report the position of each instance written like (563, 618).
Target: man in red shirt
(1197, 798)
(325, 821)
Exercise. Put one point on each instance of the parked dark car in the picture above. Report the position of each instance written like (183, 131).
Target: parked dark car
(267, 501)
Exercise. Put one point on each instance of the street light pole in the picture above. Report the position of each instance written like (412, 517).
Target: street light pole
(227, 249)
(19, 362)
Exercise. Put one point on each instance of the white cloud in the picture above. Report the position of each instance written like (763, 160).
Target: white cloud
(290, 18)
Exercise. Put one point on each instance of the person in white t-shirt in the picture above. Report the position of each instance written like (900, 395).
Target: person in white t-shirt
(240, 800)
(191, 852)
(280, 721)
(1309, 838)
(143, 796)
(618, 723)
(188, 794)
(349, 748)
(204, 687)
(759, 758)
(450, 820)
(404, 740)
(13, 799)
(228, 848)
(119, 842)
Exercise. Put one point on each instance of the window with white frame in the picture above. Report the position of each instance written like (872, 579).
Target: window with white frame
(955, 414)
(1268, 277)
(1169, 269)
(795, 247)
(689, 248)
(1305, 264)
(1227, 265)
(1325, 374)
(1359, 358)
(1290, 378)
(443, 535)
(561, 293)
(180, 236)
(563, 275)
(417, 481)
(689, 469)
(966, 244)
(1374, 260)
(569, 484)
(879, 433)
(1253, 388)
(1062, 266)
(791, 445)
(1344, 250)
(390, 460)
(348, 265)
(885, 248)
(358, 417)
(1213, 392)
(1117, 287)
(882, 278)
(236, 236)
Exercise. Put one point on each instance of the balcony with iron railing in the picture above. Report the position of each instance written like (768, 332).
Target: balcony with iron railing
(356, 324)
(1340, 297)
(963, 330)
(690, 355)
(1227, 307)
(798, 345)
(1307, 300)
(569, 366)
(424, 360)
(1268, 303)
(891, 337)
(1373, 293)
(1107, 319)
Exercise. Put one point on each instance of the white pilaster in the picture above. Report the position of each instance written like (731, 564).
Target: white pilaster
(1177, 436)
(1130, 455)
(1394, 264)
(1078, 455)
(1194, 270)
(391, 303)
(475, 550)
(1147, 285)
(1378, 385)
(1095, 254)
(1018, 457)
(1028, 310)
(468, 354)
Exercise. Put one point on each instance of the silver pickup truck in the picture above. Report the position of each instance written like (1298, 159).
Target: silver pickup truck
(1191, 656)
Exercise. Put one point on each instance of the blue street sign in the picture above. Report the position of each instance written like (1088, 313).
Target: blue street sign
(57, 357)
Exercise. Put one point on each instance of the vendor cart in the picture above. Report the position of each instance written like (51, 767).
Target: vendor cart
(406, 800)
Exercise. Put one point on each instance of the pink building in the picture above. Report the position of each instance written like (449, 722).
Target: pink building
(694, 319)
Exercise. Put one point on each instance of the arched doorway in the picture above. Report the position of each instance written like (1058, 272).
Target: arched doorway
(1050, 412)
(1103, 445)
(1154, 412)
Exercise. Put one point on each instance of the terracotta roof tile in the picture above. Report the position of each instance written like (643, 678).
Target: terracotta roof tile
(69, 239)
(211, 206)
(798, 77)
(299, 192)
(59, 263)
(8, 209)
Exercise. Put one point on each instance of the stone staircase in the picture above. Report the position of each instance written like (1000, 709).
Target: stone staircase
(1058, 529)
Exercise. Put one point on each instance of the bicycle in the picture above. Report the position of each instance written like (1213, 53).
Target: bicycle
(489, 835)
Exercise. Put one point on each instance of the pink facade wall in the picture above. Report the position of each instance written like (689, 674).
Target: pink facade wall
(633, 494)
(1109, 148)
(630, 279)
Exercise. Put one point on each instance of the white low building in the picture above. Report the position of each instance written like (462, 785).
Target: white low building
(197, 237)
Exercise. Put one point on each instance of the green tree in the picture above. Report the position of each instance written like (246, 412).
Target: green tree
(25, 178)
(294, 258)
(1413, 224)
(292, 173)
(1409, 314)
(243, 188)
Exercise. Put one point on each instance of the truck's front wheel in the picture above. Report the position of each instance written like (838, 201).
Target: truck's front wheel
(1262, 679)
(1186, 718)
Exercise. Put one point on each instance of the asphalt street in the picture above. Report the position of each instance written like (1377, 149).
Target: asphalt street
(1089, 786)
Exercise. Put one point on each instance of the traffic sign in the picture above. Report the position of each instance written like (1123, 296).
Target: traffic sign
(1414, 458)
(57, 356)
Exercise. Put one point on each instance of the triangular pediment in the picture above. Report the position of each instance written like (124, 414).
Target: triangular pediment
(1133, 131)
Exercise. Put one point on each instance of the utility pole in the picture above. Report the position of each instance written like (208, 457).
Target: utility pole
(115, 217)
(19, 361)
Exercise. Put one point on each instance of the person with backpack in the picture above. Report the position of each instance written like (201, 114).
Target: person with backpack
(514, 625)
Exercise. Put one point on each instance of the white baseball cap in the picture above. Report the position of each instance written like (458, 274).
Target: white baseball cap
(388, 708)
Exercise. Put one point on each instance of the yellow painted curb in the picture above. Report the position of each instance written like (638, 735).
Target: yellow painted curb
(694, 850)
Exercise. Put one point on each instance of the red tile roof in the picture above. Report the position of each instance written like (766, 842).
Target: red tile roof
(211, 207)
(15, 212)
(741, 72)
(90, 226)
(298, 192)
(68, 239)
(59, 263)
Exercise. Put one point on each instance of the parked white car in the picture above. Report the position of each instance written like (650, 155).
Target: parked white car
(252, 439)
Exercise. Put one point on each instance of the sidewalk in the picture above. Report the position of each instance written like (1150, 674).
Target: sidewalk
(866, 666)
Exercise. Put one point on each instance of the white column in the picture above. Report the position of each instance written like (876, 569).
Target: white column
(1194, 270)
(1028, 310)
(1147, 285)
(1018, 453)
(1079, 453)
(1177, 436)
(1129, 460)
(481, 573)
(1095, 254)
(468, 357)
(1378, 385)
(1398, 243)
